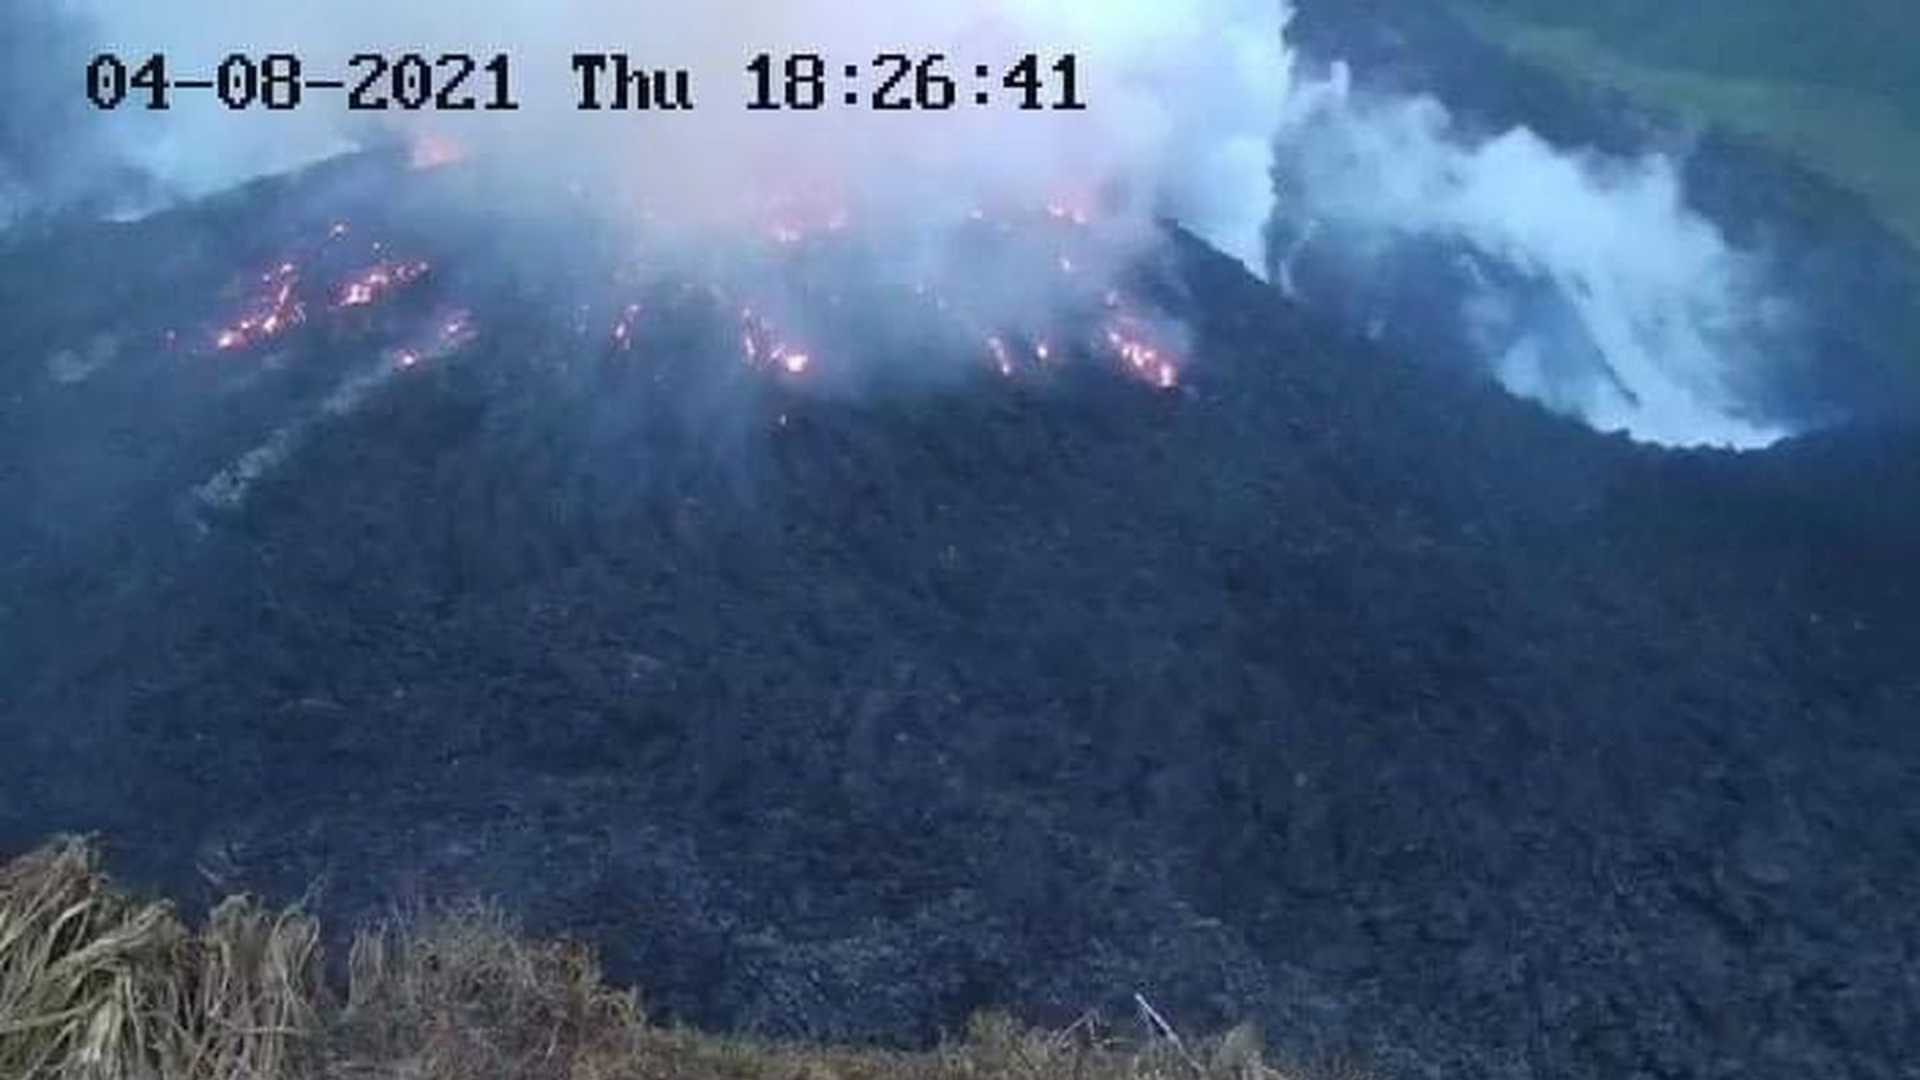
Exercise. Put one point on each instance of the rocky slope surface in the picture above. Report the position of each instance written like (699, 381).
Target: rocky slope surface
(1331, 690)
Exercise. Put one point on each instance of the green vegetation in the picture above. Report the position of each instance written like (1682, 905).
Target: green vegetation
(96, 985)
(1836, 85)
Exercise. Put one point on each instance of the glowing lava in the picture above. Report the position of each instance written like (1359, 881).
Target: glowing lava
(1002, 358)
(450, 333)
(434, 151)
(624, 327)
(370, 285)
(457, 331)
(277, 312)
(283, 292)
(1139, 354)
(763, 346)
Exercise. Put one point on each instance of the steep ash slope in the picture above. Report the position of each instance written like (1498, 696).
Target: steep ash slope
(1326, 689)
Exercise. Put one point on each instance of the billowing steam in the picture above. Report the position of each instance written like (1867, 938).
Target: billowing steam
(1584, 282)
(1183, 99)
(1587, 284)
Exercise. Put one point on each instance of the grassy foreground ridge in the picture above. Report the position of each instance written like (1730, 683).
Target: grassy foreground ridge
(99, 985)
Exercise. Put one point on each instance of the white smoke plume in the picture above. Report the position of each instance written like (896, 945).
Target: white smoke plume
(1183, 98)
(1584, 282)
(1650, 317)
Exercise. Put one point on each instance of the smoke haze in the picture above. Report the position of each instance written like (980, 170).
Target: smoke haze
(1588, 284)
(1171, 128)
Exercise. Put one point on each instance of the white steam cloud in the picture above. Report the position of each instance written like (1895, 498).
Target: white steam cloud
(1183, 100)
(1585, 283)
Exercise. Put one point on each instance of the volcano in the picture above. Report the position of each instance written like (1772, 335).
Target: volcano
(842, 684)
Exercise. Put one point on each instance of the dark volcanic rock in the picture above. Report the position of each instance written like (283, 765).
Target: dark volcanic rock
(1336, 692)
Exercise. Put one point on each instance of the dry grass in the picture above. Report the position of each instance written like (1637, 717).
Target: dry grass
(463, 995)
(95, 985)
